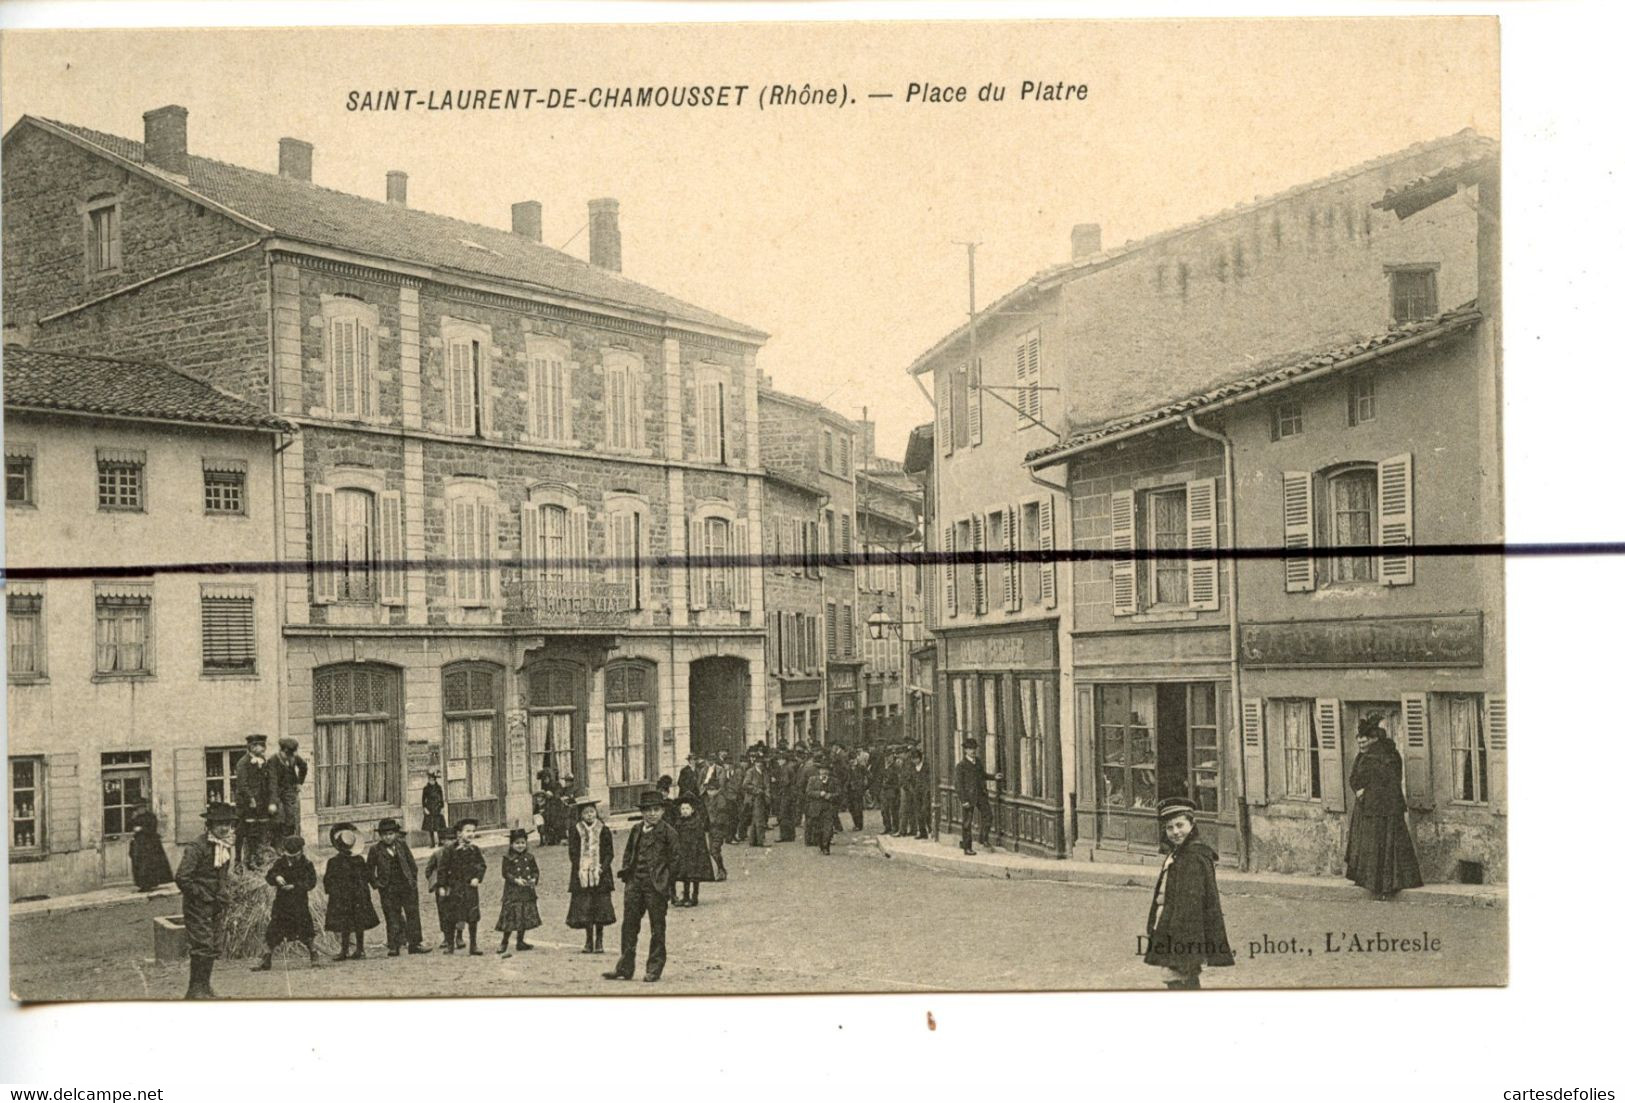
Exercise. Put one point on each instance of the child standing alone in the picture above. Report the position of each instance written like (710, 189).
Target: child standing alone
(292, 876)
(349, 892)
(1185, 927)
(592, 876)
(519, 877)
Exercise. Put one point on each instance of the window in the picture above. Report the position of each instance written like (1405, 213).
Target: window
(357, 543)
(1028, 580)
(1356, 505)
(1286, 420)
(1302, 744)
(120, 479)
(1202, 745)
(220, 773)
(712, 410)
(623, 401)
(126, 786)
(472, 511)
(1034, 723)
(358, 716)
(102, 246)
(469, 736)
(630, 723)
(829, 451)
(353, 545)
(1468, 753)
(1129, 746)
(843, 455)
(549, 373)
(1362, 399)
(124, 632)
(25, 633)
(552, 710)
(846, 533)
(1413, 292)
(352, 354)
(19, 475)
(27, 805)
(715, 548)
(1166, 580)
(1352, 522)
(849, 643)
(1029, 399)
(224, 487)
(628, 560)
(228, 632)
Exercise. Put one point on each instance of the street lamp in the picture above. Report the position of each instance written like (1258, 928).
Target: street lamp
(880, 622)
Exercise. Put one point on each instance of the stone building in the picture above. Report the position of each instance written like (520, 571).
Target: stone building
(526, 487)
(127, 682)
(888, 585)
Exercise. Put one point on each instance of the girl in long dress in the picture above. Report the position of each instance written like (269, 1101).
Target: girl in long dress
(519, 878)
(148, 863)
(693, 849)
(592, 876)
(1380, 856)
(348, 884)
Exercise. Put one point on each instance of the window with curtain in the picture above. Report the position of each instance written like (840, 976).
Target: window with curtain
(1352, 521)
(124, 633)
(626, 555)
(358, 717)
(1032, 737)
(552, 719)
(1302, 747)
(629, 721)
(468, 696)
(25, 655)
(1164, 517)
(354, 550)
(1469, 755)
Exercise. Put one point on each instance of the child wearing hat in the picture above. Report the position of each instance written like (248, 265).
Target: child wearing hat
(348, 884)
(292, 876)
(449, 937)
(1185, 927)
(592, 876)
(460, 875)
(519, 878)
(647, 867)
(693, 851)
(394, 873)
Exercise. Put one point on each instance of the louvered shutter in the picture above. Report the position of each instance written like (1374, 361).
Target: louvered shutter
(567, 385)
(1021, 384)
(739, 550)
(1201, 528)
(490, 578)
(973, 402)
(945, 411)
(530, 543)
(228, 632)
(1008, 572)
(325, 586)
(696, 564)
(1329, 726)
(1394, 519)
(488, 405)
(578, 547)
(950, 573)
(1413, 717)
(634, 407)
(1125, 571)
(1298, 519)
(1046, 547)
(978, 543)
(1495, 720)
(1252, 749)
(391, 549)
(1034, 396)
(366, 380)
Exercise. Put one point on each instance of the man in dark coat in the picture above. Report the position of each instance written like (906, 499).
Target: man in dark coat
(647, 866)
(688, 778)
(715, 805)
(288, 772)
(784, 796)
(822, 795)
(395, 875)
(756, 799)
(733, 795)
(970, 785)
(891, 794)
(256, 804)
(203, 876)
(917, 783)
(434, 807)
(1185, 927)
(857, 787)
(804, 773)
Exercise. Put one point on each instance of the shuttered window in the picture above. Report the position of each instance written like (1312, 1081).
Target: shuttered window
(350, 354)
(228, 634)
(1029, 399)
(102, 238)
(623, 401)
(1301, 747)
(1469, 752)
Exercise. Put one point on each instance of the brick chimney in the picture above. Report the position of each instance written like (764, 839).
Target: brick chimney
(293, 159)
(166, 139)
(395, 187)
(1085, 240)
(527, 219)
(604, 233)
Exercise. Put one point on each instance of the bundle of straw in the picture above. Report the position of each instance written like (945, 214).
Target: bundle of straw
(248, 913)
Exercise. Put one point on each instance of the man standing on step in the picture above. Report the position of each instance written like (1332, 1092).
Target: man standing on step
(203, 876)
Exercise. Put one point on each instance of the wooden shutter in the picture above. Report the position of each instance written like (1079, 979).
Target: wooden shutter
(1125, 571)
(973, 402)
(1329, 726)
(634, 408)
(1413, 717)
(1046, 548)
(60, 805)
(530, 542)
(228, 631)
(1495, 720)
(1394, 519)
(1298, 519)
(1252, 749)
(945, 411)
(567, 385)
(1034, 397)
(1010, 575)
(325, 586)
(391, 549)
(490, 577)
(696, 566)
(366, 370)
(739, 550)
(978, 543)
(1201, 528)
(577, 546)
(488, 403)
(1021, 384)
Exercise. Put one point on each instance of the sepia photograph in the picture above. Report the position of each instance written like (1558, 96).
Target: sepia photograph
(724, 509)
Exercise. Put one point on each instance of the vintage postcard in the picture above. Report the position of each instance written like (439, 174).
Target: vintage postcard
(771, 508)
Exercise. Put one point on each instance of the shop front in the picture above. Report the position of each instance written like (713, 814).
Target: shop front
(1002, 690)
(844, 718)
(798, 719)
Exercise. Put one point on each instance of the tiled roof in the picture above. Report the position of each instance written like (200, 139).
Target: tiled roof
(794, 482)
(1473, 145)
(322, 216)
(1415, 195)
(77, 384)
(1280, 369)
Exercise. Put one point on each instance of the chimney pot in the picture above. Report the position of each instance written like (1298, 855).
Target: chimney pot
(604, 233)
(294, 158)
(527, 219)
(395, 187)
(1085, 240)
(165, 139)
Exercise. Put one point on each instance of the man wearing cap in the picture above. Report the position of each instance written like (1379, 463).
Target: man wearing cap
(202, 876)
(970, 785)
(395, 874)
(647, 867)
(288, 772)
(434, 806)
(256, 802)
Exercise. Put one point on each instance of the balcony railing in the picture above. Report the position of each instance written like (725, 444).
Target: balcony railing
(560, 603)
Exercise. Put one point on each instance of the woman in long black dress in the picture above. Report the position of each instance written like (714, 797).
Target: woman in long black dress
(592, 876)
(348, 884)
(693, 849)
(148, 862)
(1380, 855)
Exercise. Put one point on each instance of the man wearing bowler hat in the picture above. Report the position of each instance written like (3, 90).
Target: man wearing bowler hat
(970, 785)
(202, 876)
(647, 866)
(395, 874)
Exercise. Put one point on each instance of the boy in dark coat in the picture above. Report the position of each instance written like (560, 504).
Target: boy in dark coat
(460, 873)
(395, 874)
(1185, 927)
(647, 867)
(693, 848)
(292, 876)
(449, 938)
(202, 876)
(348, 883)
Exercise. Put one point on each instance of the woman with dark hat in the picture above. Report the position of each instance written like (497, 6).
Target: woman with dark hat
(693, 848)
(1185, 927)
(348, 884)
(292, 876)
(1380, 856)
(434, 806)
(592, 876)
(148, 862)
(519, 878)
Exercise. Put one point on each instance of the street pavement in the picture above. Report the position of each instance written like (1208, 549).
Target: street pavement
(791, 920)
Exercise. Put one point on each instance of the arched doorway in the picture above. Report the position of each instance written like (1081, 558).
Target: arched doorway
(718, 695)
